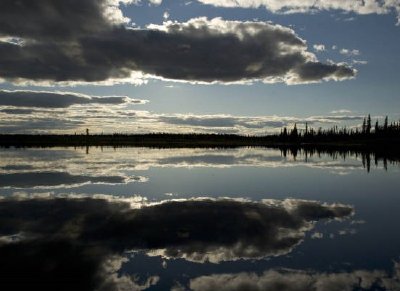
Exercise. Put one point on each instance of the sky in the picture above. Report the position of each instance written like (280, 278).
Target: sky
(212, 66)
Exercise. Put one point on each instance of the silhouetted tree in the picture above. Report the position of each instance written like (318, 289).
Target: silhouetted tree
(368, 128)
(285, 132)
(294, 132)
(385, 125)
(364, 126)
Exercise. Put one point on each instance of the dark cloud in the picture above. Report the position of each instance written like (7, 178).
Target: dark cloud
(71, 42)
(53, 20)
(16, 167)
(39, 125)
(44, 99)
(54, 179)
(312, 71)
(17, 111)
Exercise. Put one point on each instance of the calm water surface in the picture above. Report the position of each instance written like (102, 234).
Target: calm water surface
(197, 219)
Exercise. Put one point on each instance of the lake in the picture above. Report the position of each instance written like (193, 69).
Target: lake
(198, 219)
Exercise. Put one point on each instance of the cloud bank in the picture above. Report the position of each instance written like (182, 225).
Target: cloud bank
(71, 42)
(308, 6)
(44, 99)
(66, 112)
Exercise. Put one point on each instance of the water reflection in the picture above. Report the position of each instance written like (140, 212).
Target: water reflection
(368, 156)
(58, 180)
(296, 280)
(82, 242)
(31, 168)
(60, 238)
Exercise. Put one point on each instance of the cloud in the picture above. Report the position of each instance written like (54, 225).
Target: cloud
(122, 118)
(12, 111)
(301, 6)
(341, 111)
(319, 47)
(45, 99)
(349, 53)
(70, 43)
(358, 62)
(60, 20)
(222, 121)
(296, 280)
(155, 2)
(166, 15)
(262, 51)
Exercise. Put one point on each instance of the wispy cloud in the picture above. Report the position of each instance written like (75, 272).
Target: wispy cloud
(301, 6)
(349, 52)
(109, 116)
(319, 47)
(341, 111)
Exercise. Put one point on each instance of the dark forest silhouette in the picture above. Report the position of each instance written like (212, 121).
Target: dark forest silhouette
(366, 133)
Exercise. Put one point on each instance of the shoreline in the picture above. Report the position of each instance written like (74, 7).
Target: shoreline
(194, 140)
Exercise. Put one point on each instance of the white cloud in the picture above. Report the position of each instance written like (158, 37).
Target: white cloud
(358, 62)
(349, 52)
(166, 15)
(341, 111)
(155, 2)
(306, 6)
(319, 47)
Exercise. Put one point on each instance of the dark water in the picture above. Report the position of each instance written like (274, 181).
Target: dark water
(197, 219)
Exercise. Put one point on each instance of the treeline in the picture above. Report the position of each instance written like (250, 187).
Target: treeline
(159, 140)
(368, 136)
(368, 132)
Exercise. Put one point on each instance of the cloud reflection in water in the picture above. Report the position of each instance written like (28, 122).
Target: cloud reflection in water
(296, 280)
(71, 242)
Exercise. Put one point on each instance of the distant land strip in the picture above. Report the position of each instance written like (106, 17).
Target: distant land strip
(166, 140)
